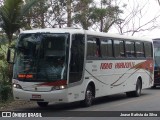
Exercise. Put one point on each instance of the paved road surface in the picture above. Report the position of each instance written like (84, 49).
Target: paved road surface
(149, 102)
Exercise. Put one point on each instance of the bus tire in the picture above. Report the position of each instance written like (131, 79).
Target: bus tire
(154, 86)
(42, 104)
(89, 96)
(137, 92)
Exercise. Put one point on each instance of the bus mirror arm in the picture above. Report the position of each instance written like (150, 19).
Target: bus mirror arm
(8, 55)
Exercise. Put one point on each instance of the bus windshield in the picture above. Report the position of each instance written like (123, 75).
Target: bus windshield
(41, 57)
(157, 53)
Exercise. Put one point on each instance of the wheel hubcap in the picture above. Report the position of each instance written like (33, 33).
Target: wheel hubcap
(139, 90)
(89, 97)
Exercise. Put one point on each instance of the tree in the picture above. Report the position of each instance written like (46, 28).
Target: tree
(105, 15)
(55, 14)
(101, 16)
(12, 13)
(135, 20)
(82, 13)
(69, 13)
(1, 2)
(62, 13)
(35, 17)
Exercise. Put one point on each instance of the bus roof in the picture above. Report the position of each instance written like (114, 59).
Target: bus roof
(157, 39)
(81, 31)
(55, 30)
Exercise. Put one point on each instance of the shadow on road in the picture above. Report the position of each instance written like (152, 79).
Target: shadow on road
(155, 88)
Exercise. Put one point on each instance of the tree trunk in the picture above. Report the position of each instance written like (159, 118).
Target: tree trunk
(10, 66)
(69, 21)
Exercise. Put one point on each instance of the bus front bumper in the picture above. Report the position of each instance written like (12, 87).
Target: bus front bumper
(56, 96)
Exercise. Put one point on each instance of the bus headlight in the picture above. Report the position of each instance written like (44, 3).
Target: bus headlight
(17, 86)
(62, 87)
(59, 87)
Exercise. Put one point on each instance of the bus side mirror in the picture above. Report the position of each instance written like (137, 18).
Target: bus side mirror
(10, 55)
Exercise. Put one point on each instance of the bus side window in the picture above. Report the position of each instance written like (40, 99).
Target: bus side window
(77, 58)
(148, 49)
(93, 47)
(139, 49)
(98, 50)
(130, 49)
(106, 48)
(119, 49)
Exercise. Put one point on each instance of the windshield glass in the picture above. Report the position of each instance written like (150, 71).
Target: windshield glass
(157, 53)
(41, 57)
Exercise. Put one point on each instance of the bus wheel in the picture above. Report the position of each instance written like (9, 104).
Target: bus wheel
(154, 86)
(137, 92)
(88, 97)
(42, 104)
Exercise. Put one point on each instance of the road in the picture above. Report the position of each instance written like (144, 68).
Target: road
(106, 107)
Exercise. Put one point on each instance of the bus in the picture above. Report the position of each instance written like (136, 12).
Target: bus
(63, 65)
(156, 43)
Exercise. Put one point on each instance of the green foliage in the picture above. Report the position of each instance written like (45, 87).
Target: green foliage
(106, 16)
(3, 39)
(103, 16)
(83, 16)
(5, 91)
(98, 14)
(26, 7)
(35, 15)
(4, 74)
(5, 86)
(12, 13)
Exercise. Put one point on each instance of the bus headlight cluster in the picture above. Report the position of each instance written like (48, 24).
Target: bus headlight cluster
(59, 87)
(17, 86)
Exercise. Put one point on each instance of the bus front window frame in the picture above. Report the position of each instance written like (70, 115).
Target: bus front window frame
(34, 60)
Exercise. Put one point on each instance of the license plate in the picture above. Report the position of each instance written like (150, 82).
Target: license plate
(34, 96)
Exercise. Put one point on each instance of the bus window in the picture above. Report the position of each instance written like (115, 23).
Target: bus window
(148, 49)
(98, 50)
(106, 48)
(139, 49)
(93, 47)
(130, 49)
(77, 58)
(119, 48)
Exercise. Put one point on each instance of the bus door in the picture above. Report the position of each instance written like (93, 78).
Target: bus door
(77, 58)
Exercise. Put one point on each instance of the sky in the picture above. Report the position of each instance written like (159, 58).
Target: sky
(151, 8)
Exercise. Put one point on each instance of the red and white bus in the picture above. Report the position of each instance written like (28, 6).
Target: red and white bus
(68, 65)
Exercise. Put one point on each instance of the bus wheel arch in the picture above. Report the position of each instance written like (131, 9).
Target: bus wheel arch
(89, 95)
